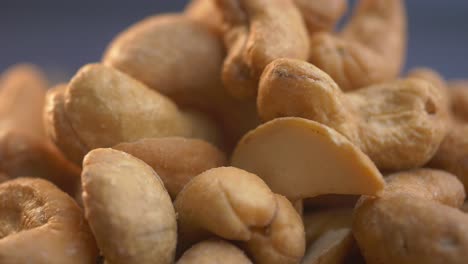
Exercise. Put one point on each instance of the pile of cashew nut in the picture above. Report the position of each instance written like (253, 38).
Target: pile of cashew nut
(239, 131)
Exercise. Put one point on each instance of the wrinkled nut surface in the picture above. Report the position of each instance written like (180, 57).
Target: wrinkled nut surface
(299, 158)
(25, 151)
(332, 247)
(176, 160)
(104, 107)
(237, 205)
(399, 124)
(182, 59)
(258, 32)
(128, 209)
(414, 220)
(40, 224)
(370, 49)
(321, 15)
(320, 222)
(214, 252)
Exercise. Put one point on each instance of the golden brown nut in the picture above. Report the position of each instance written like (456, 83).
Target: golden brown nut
(128, 209)
(321, 15)
(206, 12)
(258, 32)
(104, 107)
(399, 124)
(237, 205)
(182, 59)
(370, 49)
(299, 158)
(415, 220)
(24, 148)
(214, 252)
(176, 160)
(459, 99)
(40, 224)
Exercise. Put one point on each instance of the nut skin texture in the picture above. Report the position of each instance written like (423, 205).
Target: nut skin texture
(25, 151)
(128, 209)
(400, 128)
(370, 49)
(43, 225)
(176, 160)
(415, 219)
(104, 107)
(181, 58)
(258, 32)
(321, 15)
(214, 252)
(237, 205)
(459, 99)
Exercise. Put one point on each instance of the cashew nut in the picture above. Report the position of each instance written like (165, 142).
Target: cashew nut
(414, 220)
(176, 160)
(237, 205)
(42, 225)
(459, 99)
(258, 32)
(214, 252)
(300, 158)
(370, 49)
(399, 124)
(332, 247)
(321, 15)
(128, 209)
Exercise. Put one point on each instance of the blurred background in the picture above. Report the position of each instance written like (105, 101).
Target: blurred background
(63, 35)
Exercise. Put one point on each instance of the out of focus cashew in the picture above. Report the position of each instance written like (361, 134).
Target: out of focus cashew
(258, 32)
(399, 124)
(206, 12)
(214, 252)
(414, 220)
(103, 107)
(370, 49)
(128, 209)
(237, 205)
(321, 15)
(40, 224)
(176, 160)
(459, 99)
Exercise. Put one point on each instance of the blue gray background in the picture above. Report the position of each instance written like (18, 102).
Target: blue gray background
(63, 35)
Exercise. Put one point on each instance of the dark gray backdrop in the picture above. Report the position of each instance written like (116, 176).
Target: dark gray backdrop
(62, 35)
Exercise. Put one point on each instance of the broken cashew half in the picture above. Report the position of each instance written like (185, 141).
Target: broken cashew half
(414, 220)
(236, 205)
(399, 124)
(299, 158)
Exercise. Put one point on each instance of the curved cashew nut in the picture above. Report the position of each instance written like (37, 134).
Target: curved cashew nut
(43, 225)
(415, 219)
(104, 107)
(181, 59)
(214, 252)
(369, 50)
(259, 31)
(399, 124)
(128, 209)
(24, 148)
(207, 13)
(321, 15)
(176, 160)
(237, 205)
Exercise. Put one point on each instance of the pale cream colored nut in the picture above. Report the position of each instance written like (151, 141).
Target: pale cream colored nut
(258, 32)
(399, 124)
(176, 160)
(182, 59)
(42, 225)
(128, 209)
(414, 220)
(103, 107)
(321, 15)
(237, 205)
(299, 158)
(214, 252)
(206, 12)
(25, 151)
(319, 222)
(370, 49)
(332, 247)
